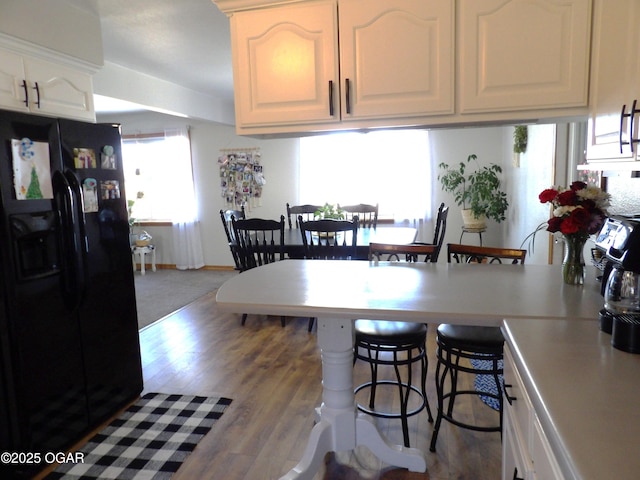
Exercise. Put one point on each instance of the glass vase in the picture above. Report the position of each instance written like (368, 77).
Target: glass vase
(573, 266)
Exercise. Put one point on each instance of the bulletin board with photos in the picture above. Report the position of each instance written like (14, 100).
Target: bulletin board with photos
(241, 177)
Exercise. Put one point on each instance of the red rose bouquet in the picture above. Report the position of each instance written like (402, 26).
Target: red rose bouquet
(580, 209)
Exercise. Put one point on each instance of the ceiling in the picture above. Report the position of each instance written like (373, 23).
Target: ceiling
(186, 42)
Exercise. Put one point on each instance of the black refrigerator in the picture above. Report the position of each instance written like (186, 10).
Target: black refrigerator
(69, 345)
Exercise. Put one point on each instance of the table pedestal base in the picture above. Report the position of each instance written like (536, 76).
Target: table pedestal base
(340, 426)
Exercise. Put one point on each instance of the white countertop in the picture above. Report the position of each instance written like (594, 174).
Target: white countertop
(470, 294)
(586, 394)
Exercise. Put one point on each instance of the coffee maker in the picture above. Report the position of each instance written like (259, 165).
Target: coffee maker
(619, 244)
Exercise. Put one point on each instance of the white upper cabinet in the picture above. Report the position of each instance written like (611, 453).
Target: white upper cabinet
(615, 74)
(396, 58)
(523, 54)
(34, 85)
(313, 65)
(285, 65)
(289, 72)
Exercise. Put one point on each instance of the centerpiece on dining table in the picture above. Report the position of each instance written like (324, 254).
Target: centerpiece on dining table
(578, 211)
(329, 211)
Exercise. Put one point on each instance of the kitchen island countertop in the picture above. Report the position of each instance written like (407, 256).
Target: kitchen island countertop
(585, 392)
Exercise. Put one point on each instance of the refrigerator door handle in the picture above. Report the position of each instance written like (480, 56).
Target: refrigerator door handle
(69, 245)
(80, 230)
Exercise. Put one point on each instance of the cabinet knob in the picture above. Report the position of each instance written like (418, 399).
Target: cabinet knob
(510, 398)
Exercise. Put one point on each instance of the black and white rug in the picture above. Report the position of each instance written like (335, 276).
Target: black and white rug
(150, 440)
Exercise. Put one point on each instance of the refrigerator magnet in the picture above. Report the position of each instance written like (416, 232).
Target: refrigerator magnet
(31, 169)
(84, 158)
(90, 193)
(110, 189)
(108, 158)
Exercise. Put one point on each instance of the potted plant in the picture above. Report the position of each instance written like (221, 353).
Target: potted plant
(329, 211)
(477, 191)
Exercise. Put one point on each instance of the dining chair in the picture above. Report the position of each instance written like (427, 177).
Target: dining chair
(328, 239)
(367, 214)
(438, 232)
(225, 216)
(259, 242)
(307, 211)
(479, 347)
(383, 343)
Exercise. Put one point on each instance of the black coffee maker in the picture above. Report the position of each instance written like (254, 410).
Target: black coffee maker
(619, 242)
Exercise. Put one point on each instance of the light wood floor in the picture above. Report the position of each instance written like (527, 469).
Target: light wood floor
(273, 376)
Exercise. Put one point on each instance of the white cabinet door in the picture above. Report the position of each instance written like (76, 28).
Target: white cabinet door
(615, 73)
(523, 54)
(396, 58)
(13, 89)
(59, 91)
(285, 63)
(515, 461)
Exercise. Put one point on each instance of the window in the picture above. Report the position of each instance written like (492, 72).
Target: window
(154, 178)
(387, 167)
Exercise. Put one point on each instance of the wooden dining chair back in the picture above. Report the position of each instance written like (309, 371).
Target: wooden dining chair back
(438, 233)
(367, 214)
(259, 242)
(379, 252)
(329, 239)
(307, 211)
(225, 217)
(472, 254)
(471, 349)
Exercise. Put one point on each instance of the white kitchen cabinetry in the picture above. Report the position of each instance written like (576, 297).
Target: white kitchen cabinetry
(314, 65)
(614, 81)
(289, 72)
(526, 453)
(521, 55)
(31, 84)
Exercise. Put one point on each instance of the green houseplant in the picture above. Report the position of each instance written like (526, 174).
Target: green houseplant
(476, 190)
(329, 211)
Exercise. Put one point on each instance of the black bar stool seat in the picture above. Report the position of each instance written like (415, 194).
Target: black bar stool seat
(397, 344)
(465, 342)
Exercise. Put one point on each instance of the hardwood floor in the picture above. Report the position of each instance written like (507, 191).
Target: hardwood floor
(273, 376)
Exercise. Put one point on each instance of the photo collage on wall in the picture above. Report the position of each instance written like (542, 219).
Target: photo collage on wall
(85, 158)
(241, 177)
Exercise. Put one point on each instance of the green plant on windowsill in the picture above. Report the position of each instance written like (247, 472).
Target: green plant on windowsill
(477, 190)
(329, 211)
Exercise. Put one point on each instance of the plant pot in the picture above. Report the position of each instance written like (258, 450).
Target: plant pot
(469, 221)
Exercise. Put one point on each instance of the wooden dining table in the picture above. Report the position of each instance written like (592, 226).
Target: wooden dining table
(294, 248)
(338, 292)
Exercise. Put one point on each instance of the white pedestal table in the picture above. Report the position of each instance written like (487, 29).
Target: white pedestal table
(338, 292)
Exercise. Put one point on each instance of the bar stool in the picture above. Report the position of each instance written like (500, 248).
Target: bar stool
(397, 344)
(456, 343)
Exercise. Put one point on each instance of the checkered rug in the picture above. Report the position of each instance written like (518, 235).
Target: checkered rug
(150, 440)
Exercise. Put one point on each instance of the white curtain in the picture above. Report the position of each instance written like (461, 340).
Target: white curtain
(187, 240)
